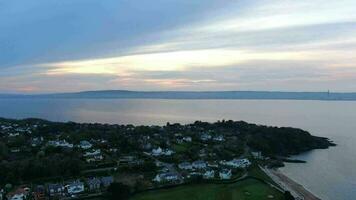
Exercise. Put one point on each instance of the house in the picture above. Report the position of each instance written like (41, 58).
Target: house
(55, 189)
(93, 184)
(168, 152)
(199, 164)
(16, 196)
(60, 143)
(237, 163)
(75, 187)
(185, 166)
(14, 134)
(209, 174)
(225, 174)
(128, 160)
(15, 150)
(1, 194)
(205, 137)
(39, 192)
(257, 154)
(219, 138)
(168, 176)
(95, 158)
(84, 144)
(37, 141)
(106, 181)
(19, 194)
(187, 139)
(94, 152)
(213, 164)
(159, 152)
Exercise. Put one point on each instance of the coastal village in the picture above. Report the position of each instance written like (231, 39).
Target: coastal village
(144, 157)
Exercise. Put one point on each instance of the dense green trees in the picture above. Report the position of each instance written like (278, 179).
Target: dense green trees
(119, 191)
(288, 196)
(39, 167)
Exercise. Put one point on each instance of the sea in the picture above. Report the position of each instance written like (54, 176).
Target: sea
(329, 173)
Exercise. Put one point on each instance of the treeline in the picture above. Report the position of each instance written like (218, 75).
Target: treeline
(40, 167)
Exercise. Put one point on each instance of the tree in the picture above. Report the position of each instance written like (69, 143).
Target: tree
(119, 191)
(288, 196)
(3, 151)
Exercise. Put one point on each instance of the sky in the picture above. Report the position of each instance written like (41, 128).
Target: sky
(51, 46)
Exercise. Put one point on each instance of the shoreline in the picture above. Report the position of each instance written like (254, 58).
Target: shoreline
(297, 190)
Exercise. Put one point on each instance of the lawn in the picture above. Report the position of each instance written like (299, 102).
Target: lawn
(180, 148)
(249, 189)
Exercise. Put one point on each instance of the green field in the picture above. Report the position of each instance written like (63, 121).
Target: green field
(249, 189)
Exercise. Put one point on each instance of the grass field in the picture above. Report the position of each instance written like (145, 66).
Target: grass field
(249, 189)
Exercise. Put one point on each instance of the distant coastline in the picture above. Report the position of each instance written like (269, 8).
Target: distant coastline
(247, 95)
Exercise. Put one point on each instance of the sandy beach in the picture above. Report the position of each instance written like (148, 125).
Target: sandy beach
(286, 183)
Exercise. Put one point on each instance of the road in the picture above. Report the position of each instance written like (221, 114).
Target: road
(297, 190)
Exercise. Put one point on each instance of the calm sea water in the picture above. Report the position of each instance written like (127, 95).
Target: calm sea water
(330, 174)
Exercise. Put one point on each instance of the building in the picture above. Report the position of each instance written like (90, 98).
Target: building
(39, 192)
(185, 166)
(213, 164)
(257, 154)
(219, 138)
(209, 174)
(37, 141)
(75, 187)
(237, 163)
(55, 189)
(85, 144)
(19, 194)
(159, 152)
(95, 158)
(93, 184)
(187, 139)
(199, 164)
(225, 174)
(168, 176)
(60, 143)
(1, 194)
(106, 181)
(205, 137)
(94, 152)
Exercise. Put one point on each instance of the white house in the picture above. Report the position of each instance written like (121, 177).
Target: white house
(209, 174)
(159, 151)
(205, 137)
(84, 144)
(17, 197)
(168, 176)
(95, 158)
(1, 194)
(19, 194)
(199, 164)
(94, 152)
(187, 139)
(237, 163)
(257, 154)
(225, 174)
(185, 166)
(75, 187)
(60, 143)
(167, 152)
(219, 138)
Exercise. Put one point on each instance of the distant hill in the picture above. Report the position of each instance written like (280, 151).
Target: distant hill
(125, 94)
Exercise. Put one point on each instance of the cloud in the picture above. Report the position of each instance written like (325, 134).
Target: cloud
(177, 44)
